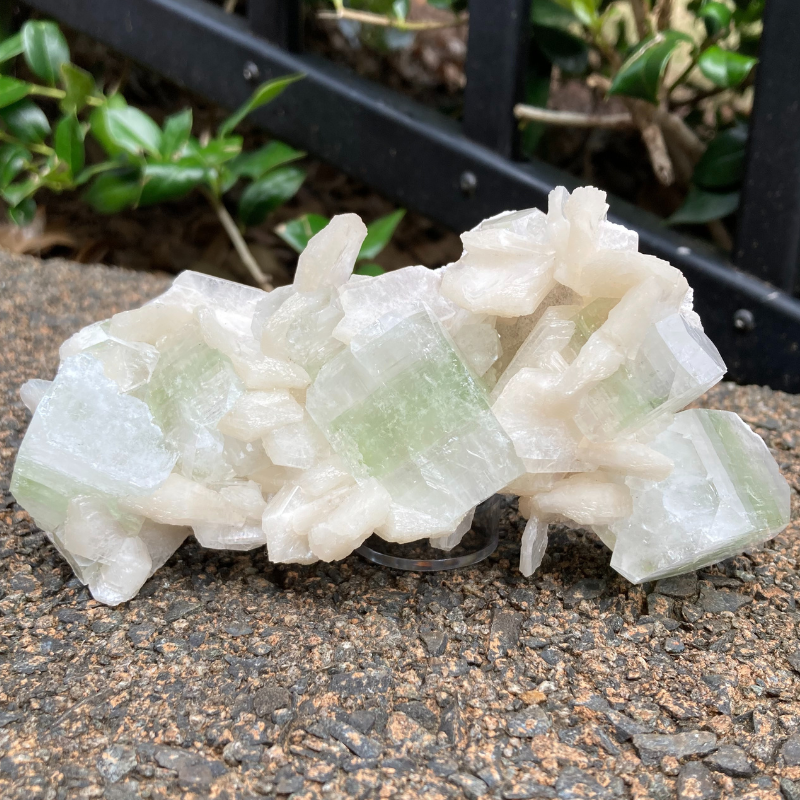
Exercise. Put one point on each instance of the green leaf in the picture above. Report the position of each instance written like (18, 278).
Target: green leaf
(25, 120)
(748, 12)
(69, 143)
(561, 48)
(113, 191)
(378, 234)
(98, 124)
(722, 164)
(96, 169)
(177, 130)
(13, 159)
(702, 206)
(725, 68)
(369, 269)
(256, 164)
(11, 48)
(133, 131)
(169, 181)
(220, 150)
(269, 192)
(551, 14)
(12, 90)
(297, 232)
(15, 193)
(640, 76)
(585, 11)
(79, 86)
(45, 49)
(715, 15)
(24, 213)
(263, 94)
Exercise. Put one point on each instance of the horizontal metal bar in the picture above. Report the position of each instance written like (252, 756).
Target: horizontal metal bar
(422, 160)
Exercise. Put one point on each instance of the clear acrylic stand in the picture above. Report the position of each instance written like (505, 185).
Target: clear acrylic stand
(478, 544)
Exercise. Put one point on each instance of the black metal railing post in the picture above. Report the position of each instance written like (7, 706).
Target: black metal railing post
(496, 60)
(279, 21)
(768, 241)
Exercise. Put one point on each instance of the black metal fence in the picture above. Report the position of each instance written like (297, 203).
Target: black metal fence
(460, 174)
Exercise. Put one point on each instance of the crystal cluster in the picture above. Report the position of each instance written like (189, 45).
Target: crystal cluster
(550, 362)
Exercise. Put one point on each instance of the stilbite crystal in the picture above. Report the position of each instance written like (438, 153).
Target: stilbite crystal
(549, 362)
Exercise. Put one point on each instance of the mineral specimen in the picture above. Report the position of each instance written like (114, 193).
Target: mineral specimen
(550, 362)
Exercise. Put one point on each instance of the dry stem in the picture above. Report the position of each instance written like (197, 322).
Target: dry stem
(235, 235)
(370, 18)
(663, 14)
(645, 117)
(687, 139)
(641, 17)
(574, 119)
(719, 233)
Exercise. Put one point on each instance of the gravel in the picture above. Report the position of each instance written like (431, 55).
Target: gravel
(232, 678)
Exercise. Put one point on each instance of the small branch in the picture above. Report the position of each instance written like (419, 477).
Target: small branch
(663, 14)
(369, 18)
(702, 94)
(642, 18)
(41, 149)
(600, 82)
(683, 135)
(234, 234)
(719, 233)
(60, 94)
(572, 119)
(606, 50)
(645, 116)
(230, 6)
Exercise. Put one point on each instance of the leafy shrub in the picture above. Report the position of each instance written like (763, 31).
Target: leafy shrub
(144, 163)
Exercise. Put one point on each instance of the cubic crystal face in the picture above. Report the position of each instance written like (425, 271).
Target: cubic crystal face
(402, 406)
(549, 362)
(724, 495)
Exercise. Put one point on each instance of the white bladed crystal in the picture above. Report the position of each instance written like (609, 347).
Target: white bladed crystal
(330, 255)
(254, 414)
(310, 417)
(533, 546)
(31, 392)
(447, 541)
(362, 510)
(180, 501)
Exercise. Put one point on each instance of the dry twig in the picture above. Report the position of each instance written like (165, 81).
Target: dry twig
(641, 17)
(238, 241)
(573, 119)
(370, 18)
(663, 14)
(645, 117)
